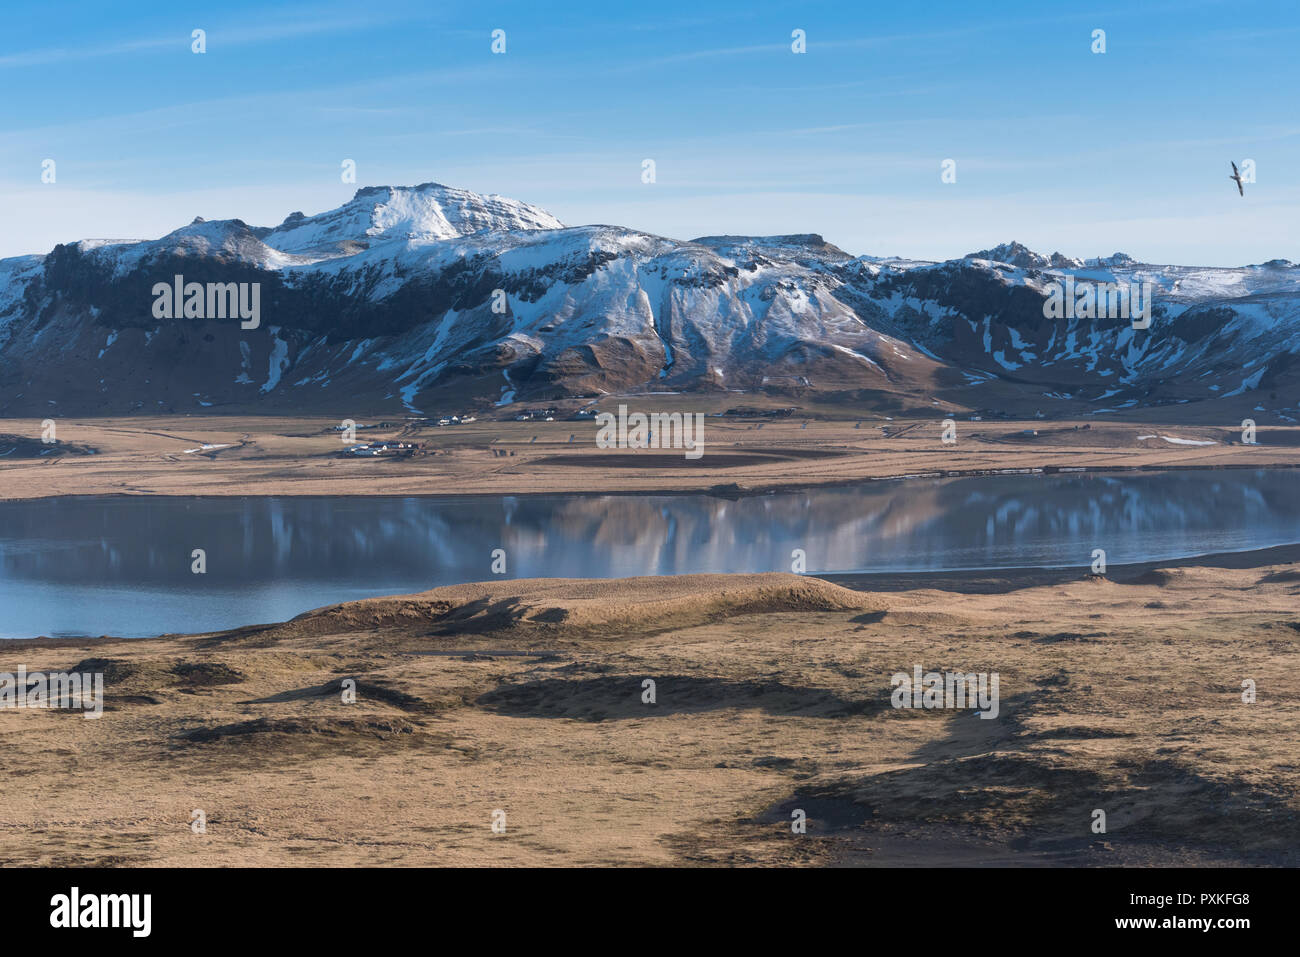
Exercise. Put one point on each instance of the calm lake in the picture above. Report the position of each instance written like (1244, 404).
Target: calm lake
(122, 566)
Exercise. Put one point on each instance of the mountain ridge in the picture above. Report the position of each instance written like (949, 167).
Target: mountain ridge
(416, 299)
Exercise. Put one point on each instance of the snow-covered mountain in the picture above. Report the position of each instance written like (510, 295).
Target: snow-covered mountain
(430, 298)
(426, 212)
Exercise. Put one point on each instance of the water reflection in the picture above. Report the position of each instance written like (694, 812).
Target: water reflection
(122, 565)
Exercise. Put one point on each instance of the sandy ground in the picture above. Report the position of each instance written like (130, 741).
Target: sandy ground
(772, 693)
(270, 456)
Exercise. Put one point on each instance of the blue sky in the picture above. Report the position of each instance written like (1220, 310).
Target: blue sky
(1055, 146)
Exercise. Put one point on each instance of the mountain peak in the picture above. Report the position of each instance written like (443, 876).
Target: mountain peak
(799, 244)
(1018, 254)
(1115, 259)
(428, 211)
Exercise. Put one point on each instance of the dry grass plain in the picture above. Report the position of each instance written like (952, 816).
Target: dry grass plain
(772, 693)
(301, 456)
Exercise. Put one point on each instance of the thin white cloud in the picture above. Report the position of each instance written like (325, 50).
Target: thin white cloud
(217, 37)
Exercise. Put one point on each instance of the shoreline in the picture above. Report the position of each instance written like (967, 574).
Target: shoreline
(963, 581)
(984, 581)
(727, 490)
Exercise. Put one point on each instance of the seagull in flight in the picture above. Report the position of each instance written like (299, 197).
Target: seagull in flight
(1236, 176)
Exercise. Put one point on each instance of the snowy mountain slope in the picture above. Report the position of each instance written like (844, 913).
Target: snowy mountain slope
(427, 298)
(429, 211)
(1213, 331)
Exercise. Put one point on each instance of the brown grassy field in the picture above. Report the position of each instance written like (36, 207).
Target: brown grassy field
(772, 694)
(299, 456)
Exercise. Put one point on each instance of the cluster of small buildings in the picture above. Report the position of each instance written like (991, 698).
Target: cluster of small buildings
(555, 415)
(382, 449)
(537, 415)
(440, 421)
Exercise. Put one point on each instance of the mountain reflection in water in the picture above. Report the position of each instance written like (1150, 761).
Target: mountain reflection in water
(122, 565)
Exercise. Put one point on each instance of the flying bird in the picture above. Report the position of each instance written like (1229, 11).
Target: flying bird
(1236, 176)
